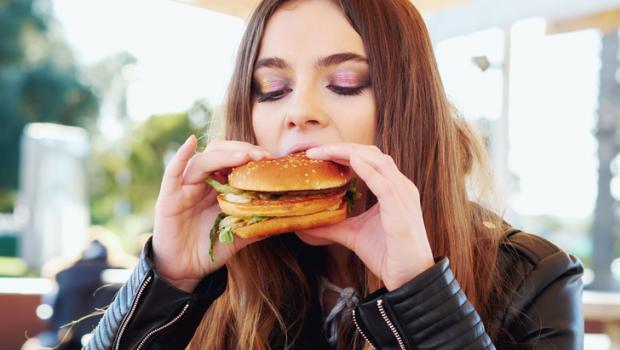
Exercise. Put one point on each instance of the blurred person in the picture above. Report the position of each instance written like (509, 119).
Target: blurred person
(80, 292)
(116, 254)
(423, 265)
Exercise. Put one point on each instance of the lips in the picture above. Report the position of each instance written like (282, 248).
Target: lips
(300, 147)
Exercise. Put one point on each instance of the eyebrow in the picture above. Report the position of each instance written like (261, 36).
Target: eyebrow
(277, 62)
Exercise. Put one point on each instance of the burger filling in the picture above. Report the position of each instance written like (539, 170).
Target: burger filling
(236, 195)
(225, 224)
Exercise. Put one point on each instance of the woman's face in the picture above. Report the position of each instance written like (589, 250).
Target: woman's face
(311, 82)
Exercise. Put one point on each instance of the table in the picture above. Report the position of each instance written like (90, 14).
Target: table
(604, 307)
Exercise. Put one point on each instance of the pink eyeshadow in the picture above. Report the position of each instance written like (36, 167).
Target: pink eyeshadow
(346, 79)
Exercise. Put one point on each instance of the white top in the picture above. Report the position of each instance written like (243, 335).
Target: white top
(347, 300)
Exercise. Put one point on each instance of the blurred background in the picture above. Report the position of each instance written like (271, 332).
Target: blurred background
(95, 96)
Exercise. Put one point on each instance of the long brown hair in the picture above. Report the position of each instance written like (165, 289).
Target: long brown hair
(429, 141)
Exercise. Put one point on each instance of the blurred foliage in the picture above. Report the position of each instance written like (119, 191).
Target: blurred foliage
(39, 82)
(126, 175)
(7, 198)
(13, 267)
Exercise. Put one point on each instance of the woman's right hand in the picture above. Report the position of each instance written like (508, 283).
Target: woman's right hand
(186, 210)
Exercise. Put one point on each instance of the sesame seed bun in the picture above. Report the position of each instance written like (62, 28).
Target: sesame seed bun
(285, 194)
(294, 172)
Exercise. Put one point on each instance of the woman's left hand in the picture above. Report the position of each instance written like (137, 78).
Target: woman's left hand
(389, 238)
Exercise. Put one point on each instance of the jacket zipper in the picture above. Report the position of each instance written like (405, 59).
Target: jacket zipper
(162, 327)
(390, 325)
(131, 311)
(359, 329)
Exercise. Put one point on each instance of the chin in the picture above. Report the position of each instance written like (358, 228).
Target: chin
(313, 241)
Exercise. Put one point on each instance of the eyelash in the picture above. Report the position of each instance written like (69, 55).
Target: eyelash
(276, 95)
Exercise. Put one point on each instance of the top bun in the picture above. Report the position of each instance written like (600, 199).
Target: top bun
(294, 172)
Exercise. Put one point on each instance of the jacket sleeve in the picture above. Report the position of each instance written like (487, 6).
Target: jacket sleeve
(150, 313)
(546, 312)
(428, 312)
(432, 312)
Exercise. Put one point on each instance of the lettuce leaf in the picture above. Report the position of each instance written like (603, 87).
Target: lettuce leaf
(352, 195)
(255, 219)
(212, 233)
(222, 188)
(226, 235)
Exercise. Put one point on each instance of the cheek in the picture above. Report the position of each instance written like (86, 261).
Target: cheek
(356, 121)
(313, 241)
(264, 130)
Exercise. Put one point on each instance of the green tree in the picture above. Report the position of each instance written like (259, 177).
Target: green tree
(39, 82)
(126, 175)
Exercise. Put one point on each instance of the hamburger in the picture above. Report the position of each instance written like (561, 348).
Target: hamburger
(273, 196)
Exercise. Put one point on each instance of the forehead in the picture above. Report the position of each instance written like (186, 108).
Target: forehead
(300, 31)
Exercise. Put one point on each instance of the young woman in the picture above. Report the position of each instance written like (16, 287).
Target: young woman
(423, 266)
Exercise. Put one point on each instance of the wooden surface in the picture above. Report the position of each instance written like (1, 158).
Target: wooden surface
(605, 308)
(19, 320)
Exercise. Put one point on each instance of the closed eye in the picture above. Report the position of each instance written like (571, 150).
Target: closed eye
(272, 95)
(347, 91)
(278, 94)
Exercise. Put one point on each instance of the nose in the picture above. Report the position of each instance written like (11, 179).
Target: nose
(304, 112)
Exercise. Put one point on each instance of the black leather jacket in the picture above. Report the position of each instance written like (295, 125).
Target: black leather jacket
(428, 312)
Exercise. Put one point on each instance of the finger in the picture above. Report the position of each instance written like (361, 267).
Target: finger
(329, 152)
(255, 152)
(198, 195)
(397, 179)
(345, 232)
(382, 162)
(391, 205)
(372, 155)
(230, 145)
(201, 165)
(340, 233)
(377, 183)
(172, 174)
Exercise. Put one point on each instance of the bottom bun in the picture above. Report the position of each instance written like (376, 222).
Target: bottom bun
(284, 224)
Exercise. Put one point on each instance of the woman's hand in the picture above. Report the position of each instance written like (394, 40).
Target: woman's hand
(186, 209)
(390, 237)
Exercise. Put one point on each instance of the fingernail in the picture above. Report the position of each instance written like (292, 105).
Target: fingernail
(268, 156)
(256, 154)
(315, 152)
(188, 139)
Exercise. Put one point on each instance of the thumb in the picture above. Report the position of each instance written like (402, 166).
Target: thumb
(345, 232)
(341, 233)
